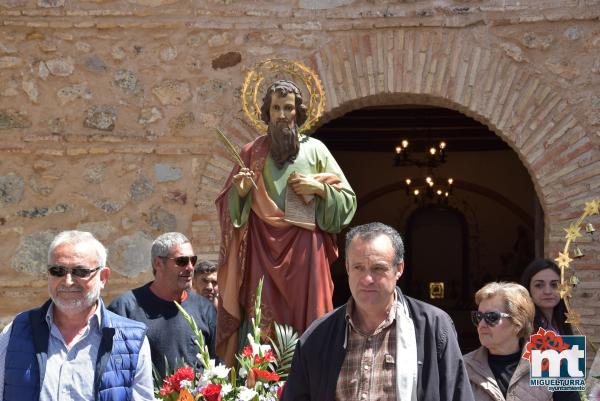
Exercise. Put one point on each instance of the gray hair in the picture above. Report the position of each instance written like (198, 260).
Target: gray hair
(77, 237)
(369, 231)
(204, 267)
(517, 302)
(163, 244)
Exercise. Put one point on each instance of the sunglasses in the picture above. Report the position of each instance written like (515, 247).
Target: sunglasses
(182, 261)
(491, 318)
(77, 271)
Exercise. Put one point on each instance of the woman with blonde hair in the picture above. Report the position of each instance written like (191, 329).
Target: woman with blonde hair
(504, 320)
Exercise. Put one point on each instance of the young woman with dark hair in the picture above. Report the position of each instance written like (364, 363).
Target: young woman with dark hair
(542, 278)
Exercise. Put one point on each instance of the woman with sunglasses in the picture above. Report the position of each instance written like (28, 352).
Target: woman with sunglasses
(504, 320)
(542, 278)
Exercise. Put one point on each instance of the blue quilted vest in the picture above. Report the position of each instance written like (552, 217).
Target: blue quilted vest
(27, 353)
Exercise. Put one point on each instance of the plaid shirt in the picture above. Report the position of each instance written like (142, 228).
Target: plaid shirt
(369, 369)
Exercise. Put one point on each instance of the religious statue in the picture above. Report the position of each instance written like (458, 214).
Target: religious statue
(279, 215)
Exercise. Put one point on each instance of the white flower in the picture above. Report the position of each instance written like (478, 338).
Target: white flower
(185, 384)
(258, 349)
(220, 371)
(243, 372)
(226, 389)
(246, 394)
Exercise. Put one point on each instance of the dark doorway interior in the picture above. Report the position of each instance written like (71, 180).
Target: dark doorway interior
(485, 233)
(437, 248)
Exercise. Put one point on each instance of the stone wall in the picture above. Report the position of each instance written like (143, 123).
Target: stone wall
(107, 109)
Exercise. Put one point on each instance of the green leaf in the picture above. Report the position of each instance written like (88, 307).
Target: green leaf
(284, 346)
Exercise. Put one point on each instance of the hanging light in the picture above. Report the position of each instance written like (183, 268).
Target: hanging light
(435, 156)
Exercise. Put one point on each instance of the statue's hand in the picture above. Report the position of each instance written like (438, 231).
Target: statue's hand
(306, 185)
(243, 181)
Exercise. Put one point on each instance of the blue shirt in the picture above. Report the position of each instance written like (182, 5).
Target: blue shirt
(70, 372)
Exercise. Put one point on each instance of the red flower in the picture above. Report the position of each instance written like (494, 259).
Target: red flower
(265, 375)
(269, 356)
(173, 383)
(166, 388)
(212, 392)
(247, 352)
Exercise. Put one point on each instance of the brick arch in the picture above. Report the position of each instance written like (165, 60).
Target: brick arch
(444, 68)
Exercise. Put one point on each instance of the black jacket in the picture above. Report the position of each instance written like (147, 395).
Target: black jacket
(320, 353)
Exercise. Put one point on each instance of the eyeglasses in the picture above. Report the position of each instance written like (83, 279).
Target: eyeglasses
(182, 261)
(491, 318)
(77, 271)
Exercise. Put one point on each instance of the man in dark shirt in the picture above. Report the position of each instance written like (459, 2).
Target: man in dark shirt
(171, 339)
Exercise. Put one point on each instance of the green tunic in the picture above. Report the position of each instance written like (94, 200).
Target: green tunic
(333, 213)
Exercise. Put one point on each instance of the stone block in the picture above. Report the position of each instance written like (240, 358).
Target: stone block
(574, 33)
(168, 53)
(108, 206)
(128, 81)
(102, 118)
(13, 119)
(149, 115)
(94, 174)
(70, 93)
(42, 184)
(50, 3)
(11, 189)
(166, 173)
(130, 254)
(95, 64)
(61, 67)
(533, 40)
(31, 89)
(141, 189)
(32, 254)
(43, 211)
(227, 60)
(172, 92)
(513, 51)
(161, 220)
(176, 196)
(182, 121)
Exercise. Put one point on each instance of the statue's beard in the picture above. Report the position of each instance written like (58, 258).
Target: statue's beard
(284, 142)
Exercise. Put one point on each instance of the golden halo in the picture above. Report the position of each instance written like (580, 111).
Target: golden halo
(564, 260)
(275, 69)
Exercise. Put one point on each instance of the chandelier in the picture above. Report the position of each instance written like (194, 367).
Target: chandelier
(431, 187)
(435, 156)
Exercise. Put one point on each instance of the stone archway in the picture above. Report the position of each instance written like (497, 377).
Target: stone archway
(484, 82)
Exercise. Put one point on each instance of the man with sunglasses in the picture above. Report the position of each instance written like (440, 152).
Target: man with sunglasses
(380, 345)
(171, 338)
(72, 347)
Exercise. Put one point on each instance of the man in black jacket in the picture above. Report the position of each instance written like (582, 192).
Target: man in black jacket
(381, 344)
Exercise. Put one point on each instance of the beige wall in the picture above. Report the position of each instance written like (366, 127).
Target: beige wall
(106, 109)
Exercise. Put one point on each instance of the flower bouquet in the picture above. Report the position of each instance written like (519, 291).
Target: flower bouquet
(261, 374)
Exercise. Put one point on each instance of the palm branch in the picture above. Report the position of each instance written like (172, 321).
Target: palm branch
(284, 345)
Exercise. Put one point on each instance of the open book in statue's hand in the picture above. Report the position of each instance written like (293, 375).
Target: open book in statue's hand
(299, 209)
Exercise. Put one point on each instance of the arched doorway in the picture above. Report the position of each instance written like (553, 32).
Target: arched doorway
(484, 232)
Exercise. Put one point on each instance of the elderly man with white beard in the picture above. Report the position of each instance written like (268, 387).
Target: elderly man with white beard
(72, 347)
